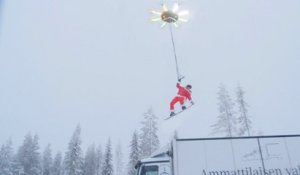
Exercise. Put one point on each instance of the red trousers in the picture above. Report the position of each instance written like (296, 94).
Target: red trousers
(175, 100)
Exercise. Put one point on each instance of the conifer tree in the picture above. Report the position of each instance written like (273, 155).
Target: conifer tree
(47, 161)
(6, 159)
(119, 160)
(149, 141)
(90, 161)
(17, 168)
(226, 122)
(107, 168)
(99, 160)
(57, 164)
(74, 157)
(28, 156)
(243, 118)
(134, 154)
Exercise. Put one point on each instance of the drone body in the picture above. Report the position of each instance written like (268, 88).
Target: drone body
(170, 16)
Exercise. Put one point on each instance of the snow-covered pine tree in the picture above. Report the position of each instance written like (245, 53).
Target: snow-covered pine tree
(99, 160)
(226, 122)
(57, 164)
(28, 156)
(47, 161)
(107, 167)
(17, 168)
(119, 164)
(134, 154)
(6, 159)
(243, 118)
(73, 158)
(149, 141)
(90, 161)
(36, 156)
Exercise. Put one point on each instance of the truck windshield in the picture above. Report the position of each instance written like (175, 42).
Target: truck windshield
(149, 170)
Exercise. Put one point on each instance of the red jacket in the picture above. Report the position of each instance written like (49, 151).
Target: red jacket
(182, 91)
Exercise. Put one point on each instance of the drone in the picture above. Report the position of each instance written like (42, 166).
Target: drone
(172, 16)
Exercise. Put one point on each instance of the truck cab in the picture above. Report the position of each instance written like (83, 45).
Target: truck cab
(155, 165)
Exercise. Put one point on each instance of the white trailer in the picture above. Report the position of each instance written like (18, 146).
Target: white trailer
(257, 155)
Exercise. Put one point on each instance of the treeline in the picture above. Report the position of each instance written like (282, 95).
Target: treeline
(29, 159)
(233, 120)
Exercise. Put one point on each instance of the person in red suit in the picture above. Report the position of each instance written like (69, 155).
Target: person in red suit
(184, 94)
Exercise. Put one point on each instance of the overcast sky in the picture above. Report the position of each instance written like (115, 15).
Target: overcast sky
(102, 64)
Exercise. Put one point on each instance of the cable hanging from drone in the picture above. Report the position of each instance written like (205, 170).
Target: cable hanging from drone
(179, 77)
(173, 16)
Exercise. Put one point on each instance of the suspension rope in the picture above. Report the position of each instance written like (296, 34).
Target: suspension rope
(174, 51)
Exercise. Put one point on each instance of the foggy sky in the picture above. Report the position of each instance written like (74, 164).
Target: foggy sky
(102, 64)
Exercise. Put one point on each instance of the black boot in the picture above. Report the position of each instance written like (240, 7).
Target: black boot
(172, 114)
(183, 108)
